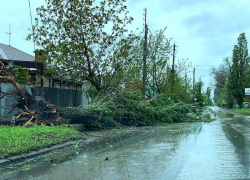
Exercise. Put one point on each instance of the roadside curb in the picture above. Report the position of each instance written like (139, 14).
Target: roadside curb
(8, 160)
(91, 139)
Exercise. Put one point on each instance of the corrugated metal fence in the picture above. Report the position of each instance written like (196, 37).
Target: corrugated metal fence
(56, 96)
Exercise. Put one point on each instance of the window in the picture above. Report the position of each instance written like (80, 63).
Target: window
(66, 85)
(58, 84)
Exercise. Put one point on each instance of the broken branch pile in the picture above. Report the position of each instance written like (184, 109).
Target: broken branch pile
(34, 111)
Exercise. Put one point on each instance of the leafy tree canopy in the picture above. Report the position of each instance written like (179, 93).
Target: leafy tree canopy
(220, 75)
(84, 39)
(239, 70)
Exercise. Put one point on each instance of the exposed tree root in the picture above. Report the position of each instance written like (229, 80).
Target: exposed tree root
(34, 111)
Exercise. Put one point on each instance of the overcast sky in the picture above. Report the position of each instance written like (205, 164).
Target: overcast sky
(205, 31)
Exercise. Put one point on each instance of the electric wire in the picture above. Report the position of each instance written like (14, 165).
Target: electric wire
(150, 25)
(202, 70)
(181, 52)
(31, 25)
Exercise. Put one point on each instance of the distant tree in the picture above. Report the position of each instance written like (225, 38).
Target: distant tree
(238, 76)
(182, 83)
(159, 75)
(198, 93)
(158, 53)
(158, 64)
(209, 100)
(221, 91)
(84, 39)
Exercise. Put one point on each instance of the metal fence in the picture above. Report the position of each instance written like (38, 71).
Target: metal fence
(56, 96)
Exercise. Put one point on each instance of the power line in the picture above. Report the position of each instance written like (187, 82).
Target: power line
(181, 52)
(205, 65)
(31, 25)
(150, 25)
(145, 58)
(202, 70)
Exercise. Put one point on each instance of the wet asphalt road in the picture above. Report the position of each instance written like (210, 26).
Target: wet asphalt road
(195, 151)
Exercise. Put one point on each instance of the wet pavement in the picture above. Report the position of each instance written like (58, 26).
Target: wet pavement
(190, 151)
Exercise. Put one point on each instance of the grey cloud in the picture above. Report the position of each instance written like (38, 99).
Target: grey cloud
(227, 20)
(200, 19)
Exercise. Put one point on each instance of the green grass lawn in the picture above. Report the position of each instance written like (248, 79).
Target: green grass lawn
(18, 139)
(242, 111)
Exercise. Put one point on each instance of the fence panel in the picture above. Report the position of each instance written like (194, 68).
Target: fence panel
(56, 96)
(61, 97)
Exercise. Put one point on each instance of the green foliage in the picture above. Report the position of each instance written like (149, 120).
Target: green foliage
(91, 92)
(233, 76)
(179, 90)
(222, 93)
(21, 74)
(128, 108)
(17, 140)
(208, 97)
(88, 40)
(158, 60)
(50, 71)
(238, 74)
(71, 113)
(198, 94)
(159, 76)
(84, 39)
(242, 111)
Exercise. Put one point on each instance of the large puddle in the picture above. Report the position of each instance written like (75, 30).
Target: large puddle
(154, 146)
(216, 150)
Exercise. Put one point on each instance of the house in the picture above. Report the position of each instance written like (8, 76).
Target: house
(36, 66)
(53, 80)
(11, 53)
(59, 92)
(11, 57)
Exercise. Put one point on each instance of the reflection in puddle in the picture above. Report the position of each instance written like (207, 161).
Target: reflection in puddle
(216, 150)
(155, 147)
(241, 144)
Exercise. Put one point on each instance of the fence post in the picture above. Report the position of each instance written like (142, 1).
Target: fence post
(1, 108)
(70, 98)
(58, 96)
(42, 92)
(82, 99)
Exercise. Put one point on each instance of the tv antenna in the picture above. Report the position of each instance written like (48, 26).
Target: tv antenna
(9, 33)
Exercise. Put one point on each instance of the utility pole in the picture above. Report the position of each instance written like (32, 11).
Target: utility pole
(9, 33)
(173, 59)
(193, 79)
(193, 84)
(32, 25)
(173, 69)
(145, 57)
(185, 77)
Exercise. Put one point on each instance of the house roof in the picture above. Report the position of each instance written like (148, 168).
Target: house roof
(13, 56)
(11, 53)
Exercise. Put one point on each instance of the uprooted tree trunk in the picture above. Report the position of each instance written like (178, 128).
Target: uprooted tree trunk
(35, 111)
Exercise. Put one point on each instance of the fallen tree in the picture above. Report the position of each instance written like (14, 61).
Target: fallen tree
(127, 108)
(34, 111)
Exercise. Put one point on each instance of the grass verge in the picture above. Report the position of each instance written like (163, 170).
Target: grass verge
(17, 139)
(242, 111)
